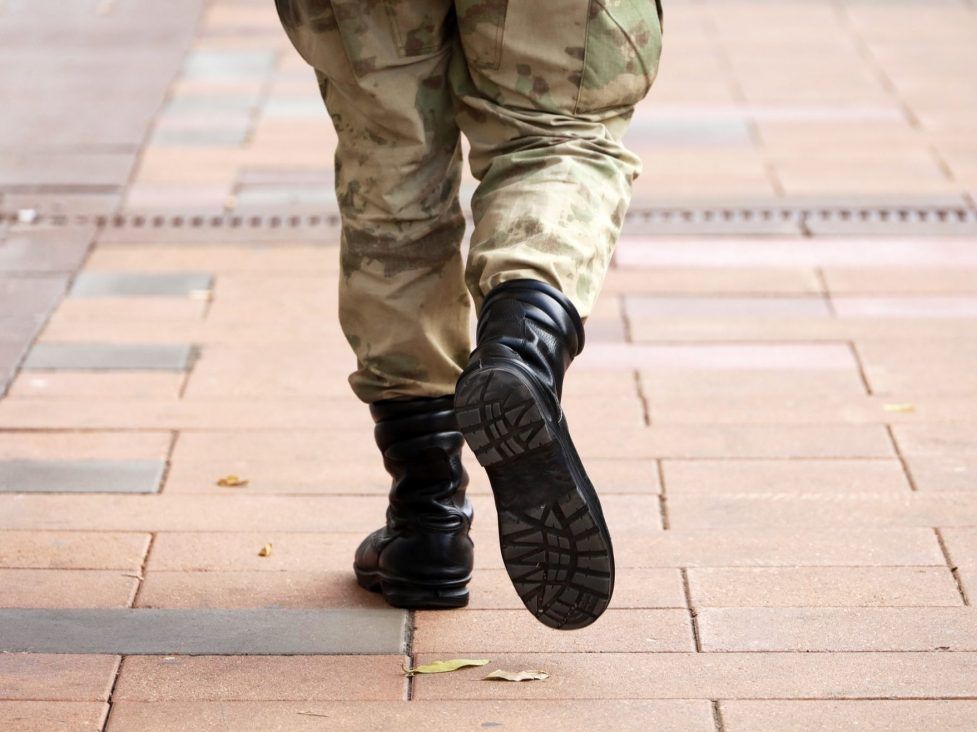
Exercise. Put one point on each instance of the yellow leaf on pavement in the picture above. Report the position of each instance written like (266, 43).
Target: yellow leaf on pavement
(232, 481)
(265, 551)
(501, 675)
(440, 667)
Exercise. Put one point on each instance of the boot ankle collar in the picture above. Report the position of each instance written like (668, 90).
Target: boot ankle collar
(410, 407)
(407, 420)
(543, 296)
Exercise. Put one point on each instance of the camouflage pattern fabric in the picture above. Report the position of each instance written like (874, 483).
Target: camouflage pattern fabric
(542, 89)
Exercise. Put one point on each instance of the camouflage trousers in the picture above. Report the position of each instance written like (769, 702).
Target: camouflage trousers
(542, 90)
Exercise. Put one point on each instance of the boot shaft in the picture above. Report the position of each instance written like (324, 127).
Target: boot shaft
(421, 448)
(535, 321)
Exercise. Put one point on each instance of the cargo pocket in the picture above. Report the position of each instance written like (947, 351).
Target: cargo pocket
(308, 24)
(419, 27)
(371, 35)
(623, 47)
(482, 24)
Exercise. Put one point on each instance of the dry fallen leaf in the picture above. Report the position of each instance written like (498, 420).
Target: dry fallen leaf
(440, 667)
(232, 481)
(265, 551)
(899, 407)
(502, 675)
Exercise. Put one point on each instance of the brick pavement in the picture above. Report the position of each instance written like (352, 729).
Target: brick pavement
(782, 426)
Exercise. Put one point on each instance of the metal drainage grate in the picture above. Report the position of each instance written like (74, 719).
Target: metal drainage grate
(763, 217)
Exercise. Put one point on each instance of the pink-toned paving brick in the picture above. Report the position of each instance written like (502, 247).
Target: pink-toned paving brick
(56, 677)
(822, 587)
(49, 588)
(756, 384)
(671, 715)
(728, 252)
(716, 676)
(238, 511)
(58, 384)
(784, 476)
(150, 256)
(299, 678)
(719, 357)
(635, 588)
(755, 509)
(40, 716)
(838, 629)
(87, 445)
(291, 589)
(508, 631)
(73, 550)
(873, 715)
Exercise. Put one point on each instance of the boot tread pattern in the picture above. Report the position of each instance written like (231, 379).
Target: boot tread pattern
(557, 561)
(556, 554)
(502, 425)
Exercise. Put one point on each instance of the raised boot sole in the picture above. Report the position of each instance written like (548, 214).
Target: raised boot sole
(415, 595)
(555, 543)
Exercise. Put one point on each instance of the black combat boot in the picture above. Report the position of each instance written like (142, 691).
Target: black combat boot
(555, 543)
(423, 556)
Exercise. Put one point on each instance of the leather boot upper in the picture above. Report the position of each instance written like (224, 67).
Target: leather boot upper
(428, 518)
(533, 322)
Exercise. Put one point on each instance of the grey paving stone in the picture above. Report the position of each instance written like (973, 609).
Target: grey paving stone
(63, 202)
(81, 476)
(311, 177)
(199, 137)
(689, 130)
(34, 249)
(307, 106)
(10, 354)
(108, 357)
(227, 64)
(203, 631)
(293, 198)
(195, 104)
(85, 169)
(26, 302)
(137, 284)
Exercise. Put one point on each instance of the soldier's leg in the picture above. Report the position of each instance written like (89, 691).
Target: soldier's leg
(403, 304)
(382, 69)
(544, 93)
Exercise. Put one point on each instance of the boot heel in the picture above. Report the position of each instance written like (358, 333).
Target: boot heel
(405, 595)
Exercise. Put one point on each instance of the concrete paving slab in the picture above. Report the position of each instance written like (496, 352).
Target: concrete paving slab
(10, 354)
(26, 302)
(200, 138)
(56, 249)
(109, 357)
(252, 632)
(139, 284)
(81, 476)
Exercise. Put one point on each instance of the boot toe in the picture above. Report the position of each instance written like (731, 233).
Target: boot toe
(367, 557)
